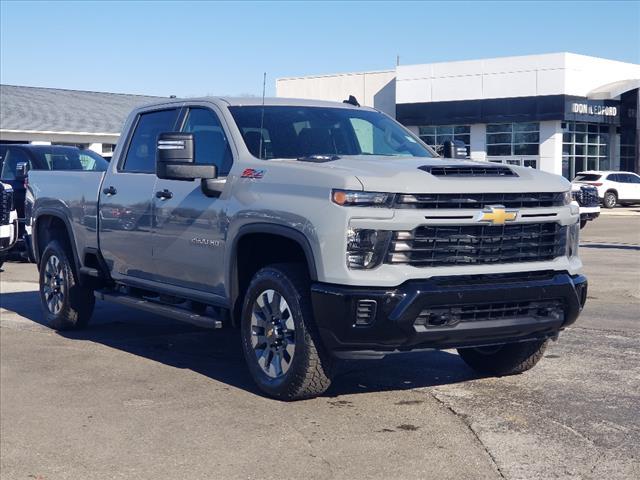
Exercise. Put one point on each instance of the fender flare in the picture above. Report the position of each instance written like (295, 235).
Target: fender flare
(271, 229)
(52, 212)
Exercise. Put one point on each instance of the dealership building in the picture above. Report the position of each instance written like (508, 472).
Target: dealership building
(561, 112)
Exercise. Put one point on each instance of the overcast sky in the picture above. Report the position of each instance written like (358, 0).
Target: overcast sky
(187, 49)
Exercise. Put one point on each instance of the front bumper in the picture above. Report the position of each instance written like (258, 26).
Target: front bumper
(477, 310)
(589, 215)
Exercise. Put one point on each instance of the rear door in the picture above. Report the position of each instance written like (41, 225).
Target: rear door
(126, 206)
(188, 239)
(631, 186)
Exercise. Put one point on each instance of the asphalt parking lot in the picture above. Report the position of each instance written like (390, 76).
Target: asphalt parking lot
(136, 396)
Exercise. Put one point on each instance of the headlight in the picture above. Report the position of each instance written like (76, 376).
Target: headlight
(573, 239)
(567, 198)
(366, 248)
(354, 198)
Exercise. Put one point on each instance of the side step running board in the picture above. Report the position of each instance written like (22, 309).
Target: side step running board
(160, 309)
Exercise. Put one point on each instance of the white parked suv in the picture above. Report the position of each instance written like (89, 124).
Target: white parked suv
(613, 187)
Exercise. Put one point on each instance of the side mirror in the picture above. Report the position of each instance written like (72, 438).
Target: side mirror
(22, 170)
(454, 149)
(175, 159)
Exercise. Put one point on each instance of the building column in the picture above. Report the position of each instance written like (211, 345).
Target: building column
(478, 141)
(551, 147)
(614, 148)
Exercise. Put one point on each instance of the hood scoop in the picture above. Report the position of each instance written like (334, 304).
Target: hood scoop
(469, 171)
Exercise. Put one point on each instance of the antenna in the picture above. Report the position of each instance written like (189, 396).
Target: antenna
(264, 83)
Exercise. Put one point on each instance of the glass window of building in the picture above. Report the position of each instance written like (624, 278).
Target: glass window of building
(627, 150)
(435, 136)
(585, 146)
(513, 139)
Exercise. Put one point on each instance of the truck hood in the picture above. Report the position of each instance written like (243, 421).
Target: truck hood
(410, 175)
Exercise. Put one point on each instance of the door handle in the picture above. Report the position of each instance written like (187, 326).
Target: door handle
(110, 190)
(164, 194)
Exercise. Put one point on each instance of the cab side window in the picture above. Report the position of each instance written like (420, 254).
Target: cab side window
(141, 155)
(210, 142)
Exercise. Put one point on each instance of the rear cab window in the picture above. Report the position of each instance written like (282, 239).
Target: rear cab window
(141, 154)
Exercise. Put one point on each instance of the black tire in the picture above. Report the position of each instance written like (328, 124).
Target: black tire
(610, 200)
(507, 359)
(308, 371)
(65, 303)
(583, 223)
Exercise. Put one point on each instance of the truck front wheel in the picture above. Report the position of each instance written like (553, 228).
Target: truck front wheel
(65, 303)
(279, 339)
(507, 359)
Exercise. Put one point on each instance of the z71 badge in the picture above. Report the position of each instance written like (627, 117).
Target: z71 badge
(252, 173)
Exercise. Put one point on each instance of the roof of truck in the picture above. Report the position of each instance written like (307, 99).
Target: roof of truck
(271, 101)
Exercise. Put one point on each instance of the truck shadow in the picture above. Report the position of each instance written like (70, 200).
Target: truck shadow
(217, 354)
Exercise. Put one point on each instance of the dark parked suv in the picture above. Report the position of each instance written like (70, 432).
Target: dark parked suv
(16, 160)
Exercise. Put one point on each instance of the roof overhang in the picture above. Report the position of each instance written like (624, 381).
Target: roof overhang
(613, 90)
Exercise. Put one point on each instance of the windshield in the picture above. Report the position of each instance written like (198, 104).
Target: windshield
(64, 158)
(297, 132)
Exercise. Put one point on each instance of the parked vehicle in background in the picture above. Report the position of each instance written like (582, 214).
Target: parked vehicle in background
(613, 187)
(16, 160)
(322, 230)
(8, 221)
(586, 196)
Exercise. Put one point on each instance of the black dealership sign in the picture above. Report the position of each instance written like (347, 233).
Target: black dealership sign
(599, 111)
(515, 109)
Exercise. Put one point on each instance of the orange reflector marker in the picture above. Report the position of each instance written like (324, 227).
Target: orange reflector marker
(339, 197)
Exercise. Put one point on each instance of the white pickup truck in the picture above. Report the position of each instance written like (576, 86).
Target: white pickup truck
(8, 221)
(322, 230)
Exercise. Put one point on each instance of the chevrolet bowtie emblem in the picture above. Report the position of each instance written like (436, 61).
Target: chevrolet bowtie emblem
(497, 215)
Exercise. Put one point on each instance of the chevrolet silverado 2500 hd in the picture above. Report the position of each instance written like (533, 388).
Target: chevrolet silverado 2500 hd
(321, 230)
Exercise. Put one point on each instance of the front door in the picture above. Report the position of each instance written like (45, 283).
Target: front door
(188, 240)
(126, 209)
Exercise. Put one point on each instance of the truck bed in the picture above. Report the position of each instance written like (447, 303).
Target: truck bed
(73, 195)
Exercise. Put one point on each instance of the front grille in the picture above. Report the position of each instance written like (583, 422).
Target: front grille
(586, 196)
(435, 246)
(451, 315)
(480, 200)
(469, 171)
(6, 205)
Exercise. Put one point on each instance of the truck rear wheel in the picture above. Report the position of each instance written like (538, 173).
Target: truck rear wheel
(279, 337)
(507, 359)
(66, 304)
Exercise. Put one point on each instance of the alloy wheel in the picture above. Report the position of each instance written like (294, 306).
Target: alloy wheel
(272, 333)
(54, 287)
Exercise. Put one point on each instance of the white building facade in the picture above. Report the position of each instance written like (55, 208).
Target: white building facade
(562, 113)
